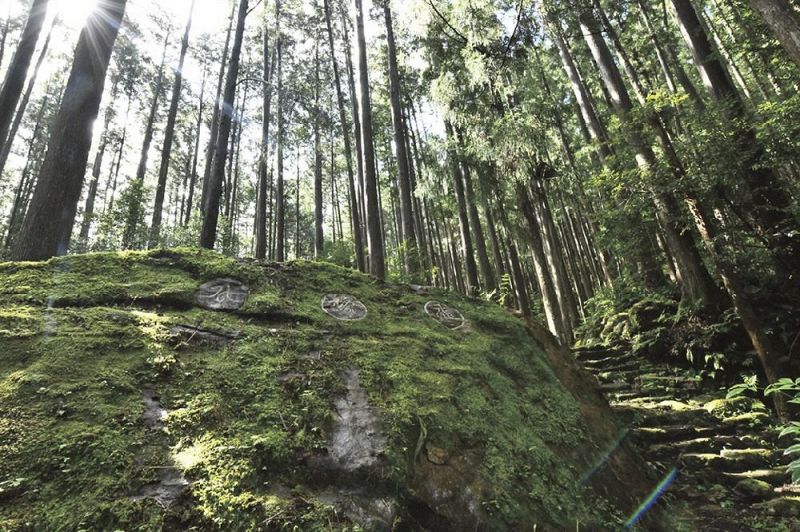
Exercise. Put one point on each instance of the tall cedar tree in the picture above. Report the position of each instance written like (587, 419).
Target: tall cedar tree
(47, 227)
(208, 233)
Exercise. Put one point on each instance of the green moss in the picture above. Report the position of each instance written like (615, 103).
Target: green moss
(85, 336)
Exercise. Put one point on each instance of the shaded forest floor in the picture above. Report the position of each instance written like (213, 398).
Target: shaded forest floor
(728, 465)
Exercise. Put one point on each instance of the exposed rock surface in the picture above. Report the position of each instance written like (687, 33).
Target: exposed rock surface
(264, 412)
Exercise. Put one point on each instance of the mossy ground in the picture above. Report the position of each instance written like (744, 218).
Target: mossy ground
(84, 336)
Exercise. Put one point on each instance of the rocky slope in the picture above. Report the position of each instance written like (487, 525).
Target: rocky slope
(726, 467)
(184, 390)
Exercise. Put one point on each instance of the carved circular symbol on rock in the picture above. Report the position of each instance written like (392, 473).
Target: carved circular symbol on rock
(344, 307)
(447, 316)
(222, 294)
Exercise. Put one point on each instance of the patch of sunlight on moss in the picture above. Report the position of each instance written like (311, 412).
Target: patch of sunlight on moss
(189, 457)
(243, 414)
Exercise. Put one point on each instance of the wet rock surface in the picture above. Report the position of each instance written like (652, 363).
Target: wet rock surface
(172, 485)
(357, 441)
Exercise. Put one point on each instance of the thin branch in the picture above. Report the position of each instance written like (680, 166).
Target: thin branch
(447, 23)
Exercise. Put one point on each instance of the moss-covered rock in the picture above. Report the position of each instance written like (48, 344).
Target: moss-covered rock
(125, 404)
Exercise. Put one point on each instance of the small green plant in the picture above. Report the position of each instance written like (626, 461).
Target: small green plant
(792, 389)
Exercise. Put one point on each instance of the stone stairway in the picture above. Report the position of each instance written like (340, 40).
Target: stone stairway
(731, 468)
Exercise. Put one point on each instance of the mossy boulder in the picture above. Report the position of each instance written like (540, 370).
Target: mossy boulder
(127, 403)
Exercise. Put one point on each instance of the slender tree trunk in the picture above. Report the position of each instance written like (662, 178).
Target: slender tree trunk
(135, 212)
(319, 237)
(297, 206)
(5, 148)
(48, 223)
(517, 276)
(23, 184)
(91, 195)
(487, 273)
(695, 281)
(3, 38)
(582, 96)
(667, 60)
(113, 176)
(280, 200)
(554, 249)
(262, 192)
(412, 252)
(767, 353)
(770, 198)
(214, 132)
(355, 219)
(374, 229)
(784, 21)
(208, 234)
(360, 189)
(169, 135)
(473, 284)
(545, 280)
(17, 72)
(196, 154)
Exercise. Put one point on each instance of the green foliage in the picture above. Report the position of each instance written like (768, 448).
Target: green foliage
(789, 388)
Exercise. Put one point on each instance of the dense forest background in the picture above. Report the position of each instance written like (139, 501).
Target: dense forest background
(566, 158)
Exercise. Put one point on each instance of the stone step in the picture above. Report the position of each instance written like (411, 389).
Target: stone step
(730, 460)
(612, 365)
(776, 476)
(704, 445)
(610, 376)
(677, 381)
(656, 417)
(615, 386)
(677, 432)
(638, 398)
(596, 353)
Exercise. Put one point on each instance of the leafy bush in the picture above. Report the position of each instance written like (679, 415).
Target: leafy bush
(790, 388)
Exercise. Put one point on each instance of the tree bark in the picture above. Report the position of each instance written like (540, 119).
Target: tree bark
(472, 282)
(24, 182)
(17, 72)
(48, 223)
(91, 195)
(355, 219)
(319, 236)
(5, 147)
(135, 212)
(196, 153)
(208, 234)
(545, 280)
(374, 226)
(695, 282)
(411, 246)
(280, 199)
(487, 273)
(784, 21)
(582, 96)
(169, 136)
(261, 195)
(772, 203)
(214, 131)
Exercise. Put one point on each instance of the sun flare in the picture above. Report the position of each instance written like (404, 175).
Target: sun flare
(74, 13)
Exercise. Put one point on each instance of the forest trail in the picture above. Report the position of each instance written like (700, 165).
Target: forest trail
(731, 469)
